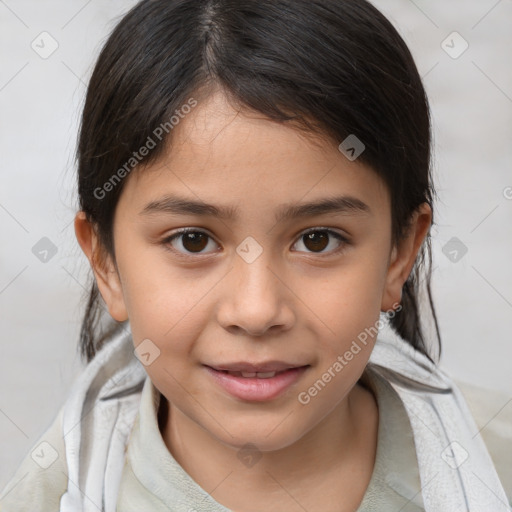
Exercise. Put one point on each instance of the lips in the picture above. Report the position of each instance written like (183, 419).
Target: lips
(243, 366)
(265, 370)
(256, 382)
(258, 375)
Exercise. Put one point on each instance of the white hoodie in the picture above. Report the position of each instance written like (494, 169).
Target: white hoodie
(456, 471)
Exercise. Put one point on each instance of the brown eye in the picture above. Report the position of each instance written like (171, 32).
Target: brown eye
(194, 241)
(188, 241)
(317, 240)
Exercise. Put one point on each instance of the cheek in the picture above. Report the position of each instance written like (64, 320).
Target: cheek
(351, 299)
(349, 309)
(164, 305)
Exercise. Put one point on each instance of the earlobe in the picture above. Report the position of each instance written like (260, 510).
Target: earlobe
(403, 257)
(105, 273)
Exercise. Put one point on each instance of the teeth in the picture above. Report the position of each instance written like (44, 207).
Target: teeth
(259, 375)
(266, 375)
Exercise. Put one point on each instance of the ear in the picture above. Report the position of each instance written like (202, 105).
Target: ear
(403, 256)
(107, 277)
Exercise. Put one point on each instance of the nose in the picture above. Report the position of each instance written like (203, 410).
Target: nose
(255, 298)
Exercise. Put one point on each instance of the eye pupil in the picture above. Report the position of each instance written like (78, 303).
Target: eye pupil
(194, 241)
(319, 240)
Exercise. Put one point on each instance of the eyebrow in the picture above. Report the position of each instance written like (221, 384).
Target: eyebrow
(172, 204)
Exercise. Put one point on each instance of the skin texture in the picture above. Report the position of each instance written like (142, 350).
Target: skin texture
(296, 302)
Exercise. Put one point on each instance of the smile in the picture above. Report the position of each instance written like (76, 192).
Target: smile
(256, 386)
(259, 375)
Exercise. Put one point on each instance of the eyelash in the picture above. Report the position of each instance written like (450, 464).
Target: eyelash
(167, 241)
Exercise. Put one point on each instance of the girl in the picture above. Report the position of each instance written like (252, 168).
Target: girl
(256, 203)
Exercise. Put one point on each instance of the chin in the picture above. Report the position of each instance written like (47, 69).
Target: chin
(262, 437)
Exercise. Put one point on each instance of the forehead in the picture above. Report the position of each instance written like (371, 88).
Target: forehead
(224, 155)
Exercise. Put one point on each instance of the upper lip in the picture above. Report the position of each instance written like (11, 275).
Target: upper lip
(267, 366)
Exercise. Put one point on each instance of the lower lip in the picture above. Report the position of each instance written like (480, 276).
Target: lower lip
(254, 389)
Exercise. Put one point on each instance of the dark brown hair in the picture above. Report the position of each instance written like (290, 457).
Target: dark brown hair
(334, 67)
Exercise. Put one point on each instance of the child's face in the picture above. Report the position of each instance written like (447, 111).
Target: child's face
(203, 301)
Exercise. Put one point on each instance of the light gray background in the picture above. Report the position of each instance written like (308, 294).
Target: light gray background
(40, 101)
